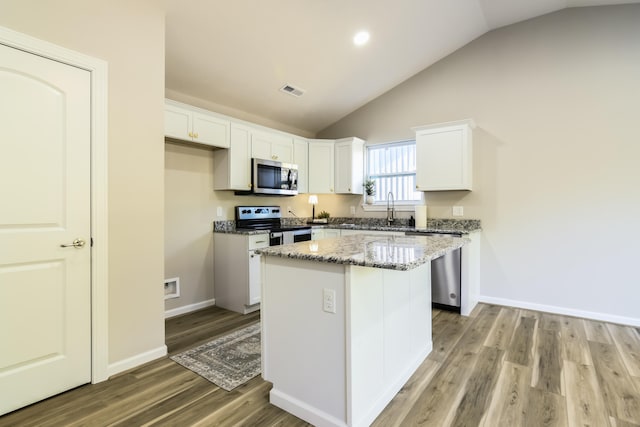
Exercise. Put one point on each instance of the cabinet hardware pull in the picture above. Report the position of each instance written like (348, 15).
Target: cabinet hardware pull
(261, 241)
(191, 134)
(195, 135)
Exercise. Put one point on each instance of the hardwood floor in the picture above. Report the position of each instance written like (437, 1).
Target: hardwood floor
(499, 367)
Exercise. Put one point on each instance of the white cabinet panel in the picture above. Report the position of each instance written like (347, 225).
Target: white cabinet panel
(321, 166)
(444, 156)
(178, 122)
(237, 271)
(301, 158)
(232, 167)
(188, 123)
(349, 166)
(255, 279)
(272, 146)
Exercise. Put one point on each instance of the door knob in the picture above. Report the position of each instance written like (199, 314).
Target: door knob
(78, 243)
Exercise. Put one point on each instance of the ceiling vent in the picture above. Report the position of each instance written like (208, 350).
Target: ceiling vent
(291, 90)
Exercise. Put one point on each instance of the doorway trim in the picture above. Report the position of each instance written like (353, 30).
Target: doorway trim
(99, 196)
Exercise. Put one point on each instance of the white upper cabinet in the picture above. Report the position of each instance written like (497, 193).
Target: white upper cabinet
(188, 123)
(232, 167)
(444, 156)
(349, 166)
(272, 146)
(301, 158)
(321, 166)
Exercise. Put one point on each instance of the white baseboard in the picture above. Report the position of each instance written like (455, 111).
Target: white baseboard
(302, 410)
(189, 308)
(137, 360)
(604, 317)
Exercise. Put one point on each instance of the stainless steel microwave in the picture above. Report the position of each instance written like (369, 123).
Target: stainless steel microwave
(277, 178)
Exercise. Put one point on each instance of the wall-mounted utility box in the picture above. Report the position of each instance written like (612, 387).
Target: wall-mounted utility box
(172, 288)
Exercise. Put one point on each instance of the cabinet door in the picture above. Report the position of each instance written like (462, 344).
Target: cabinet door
(317, 234)
(301, 158)
(272, 146)
(239, 159)
(255, 280)
(444, 157)
(343, 168)
(321, 166)
(349, 166)
(260, 147)
(282, 151)
(331, 233)
(210, 130)
(177, 122)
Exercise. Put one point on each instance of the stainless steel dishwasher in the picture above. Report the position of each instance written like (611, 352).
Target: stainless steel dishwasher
(445, 276)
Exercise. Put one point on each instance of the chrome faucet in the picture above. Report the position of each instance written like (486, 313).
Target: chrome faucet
(391, 211)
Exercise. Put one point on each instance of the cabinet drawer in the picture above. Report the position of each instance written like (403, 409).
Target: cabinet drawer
(257, 241)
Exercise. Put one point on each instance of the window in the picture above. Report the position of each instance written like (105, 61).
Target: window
(393, 168)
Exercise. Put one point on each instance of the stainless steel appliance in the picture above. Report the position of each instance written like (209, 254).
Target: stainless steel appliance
(446, 277)
(274, 178)
(270, 218)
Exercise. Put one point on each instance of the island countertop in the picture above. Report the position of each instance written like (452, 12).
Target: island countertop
(389, 252)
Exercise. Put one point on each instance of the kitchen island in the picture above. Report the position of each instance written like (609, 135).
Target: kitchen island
(346, 322)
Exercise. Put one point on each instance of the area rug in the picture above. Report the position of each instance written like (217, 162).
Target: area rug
(227, 361)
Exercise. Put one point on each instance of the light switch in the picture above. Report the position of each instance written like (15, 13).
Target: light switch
(219, 211)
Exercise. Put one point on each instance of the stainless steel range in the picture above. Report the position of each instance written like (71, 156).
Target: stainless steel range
(270, 218)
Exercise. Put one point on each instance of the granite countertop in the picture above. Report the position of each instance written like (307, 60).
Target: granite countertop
(242, 231)
(403, 229)
(390, 252)
(434, 225)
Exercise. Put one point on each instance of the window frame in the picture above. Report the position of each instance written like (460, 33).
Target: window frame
(404, 205)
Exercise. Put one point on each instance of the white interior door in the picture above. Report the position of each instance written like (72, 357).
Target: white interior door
(45, 293)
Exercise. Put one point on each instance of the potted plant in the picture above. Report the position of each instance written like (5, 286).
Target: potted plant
(324, 217)
(370, 190)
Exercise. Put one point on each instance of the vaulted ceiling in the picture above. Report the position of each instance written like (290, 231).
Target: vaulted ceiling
(240, 53)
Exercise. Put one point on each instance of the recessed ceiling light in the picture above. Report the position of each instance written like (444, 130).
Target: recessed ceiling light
(361, 38)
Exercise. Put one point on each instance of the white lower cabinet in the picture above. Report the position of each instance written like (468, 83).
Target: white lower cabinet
(237, 276)
(328, 233)
(254, 278)
(317, 233)
(324, 233)
(371, 232)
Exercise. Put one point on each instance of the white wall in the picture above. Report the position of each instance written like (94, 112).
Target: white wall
(130, 37)
(189, 211)
(556, 100)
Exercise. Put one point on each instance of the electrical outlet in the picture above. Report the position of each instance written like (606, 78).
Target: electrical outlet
(458, 211)
(353, 210)
(329, 300)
